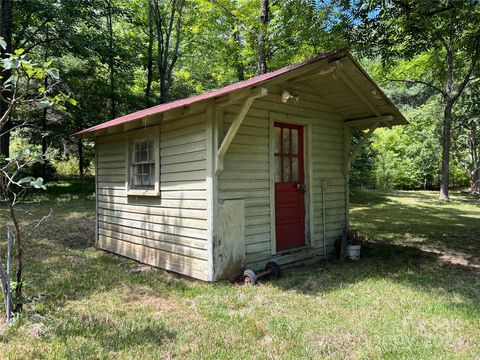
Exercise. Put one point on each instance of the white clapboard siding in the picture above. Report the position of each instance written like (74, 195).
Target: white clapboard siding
(169, 230)
(246, 174)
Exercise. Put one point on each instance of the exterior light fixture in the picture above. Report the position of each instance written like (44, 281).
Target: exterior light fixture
(286, 95)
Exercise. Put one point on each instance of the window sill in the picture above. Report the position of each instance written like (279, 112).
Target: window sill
(134, 192)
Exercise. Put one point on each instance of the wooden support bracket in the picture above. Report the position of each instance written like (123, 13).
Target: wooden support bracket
(359, 146)
(232, 131)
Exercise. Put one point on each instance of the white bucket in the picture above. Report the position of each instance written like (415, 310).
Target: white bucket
(353, 251)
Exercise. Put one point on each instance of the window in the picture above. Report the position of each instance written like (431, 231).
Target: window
(143, 165)
(288, 153)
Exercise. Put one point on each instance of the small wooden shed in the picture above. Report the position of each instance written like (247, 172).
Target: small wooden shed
(233, 178)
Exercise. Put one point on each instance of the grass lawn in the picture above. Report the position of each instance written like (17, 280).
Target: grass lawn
(414, 294)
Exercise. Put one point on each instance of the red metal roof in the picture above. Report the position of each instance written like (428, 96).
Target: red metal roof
(208, 95)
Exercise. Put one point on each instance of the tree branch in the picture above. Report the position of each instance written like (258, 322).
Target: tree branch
(467, 78)
(419, 82)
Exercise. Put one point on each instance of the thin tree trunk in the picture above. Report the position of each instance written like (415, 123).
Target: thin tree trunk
(446, 144)
(475, 171)
(18, 259)
(238, 63)
(262, 38)
(6, 23)
(447, 120)
(44, 118)
(80, 159)
(166, 56)
(111, 65)
(148, 88)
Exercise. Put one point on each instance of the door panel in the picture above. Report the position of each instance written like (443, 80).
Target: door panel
(289, 186)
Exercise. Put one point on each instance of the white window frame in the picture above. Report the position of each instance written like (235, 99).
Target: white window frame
(147, 134)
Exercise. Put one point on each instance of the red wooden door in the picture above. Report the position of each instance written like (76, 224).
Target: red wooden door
(289, 186)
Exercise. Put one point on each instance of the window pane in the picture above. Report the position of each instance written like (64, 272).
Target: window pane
(286, 141)
(151, 173)
(277, 169)
(277, 135)
(151, 156)
(137, 169)
(286, 169)
(137, 180)
(295, 169)
(143, 155)
(146, 179)
(294, 141)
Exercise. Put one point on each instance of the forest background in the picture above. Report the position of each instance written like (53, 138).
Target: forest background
(118, 56)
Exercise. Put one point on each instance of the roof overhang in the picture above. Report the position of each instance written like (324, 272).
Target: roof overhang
(354, 77)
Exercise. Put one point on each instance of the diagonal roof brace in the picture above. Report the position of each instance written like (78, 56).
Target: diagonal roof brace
(232, 131)
(359, 146)
(359, 93)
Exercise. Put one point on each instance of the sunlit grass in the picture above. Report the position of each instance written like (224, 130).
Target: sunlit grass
(414, 294)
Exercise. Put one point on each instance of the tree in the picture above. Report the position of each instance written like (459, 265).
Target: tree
(168, 23)
(467, 119)
(26, 89)
(6, 24)
(439, 39)
(262, 36)
(151, 39)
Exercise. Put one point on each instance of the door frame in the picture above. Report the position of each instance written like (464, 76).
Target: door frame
(307, 166)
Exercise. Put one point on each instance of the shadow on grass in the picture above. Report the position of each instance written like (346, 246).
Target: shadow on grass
(414, 239)
(66, 268)
(449, 227)
(406, 265)
(116, 336)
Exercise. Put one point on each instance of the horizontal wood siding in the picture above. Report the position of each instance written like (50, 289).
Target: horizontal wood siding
(246, 174)
(169, 230)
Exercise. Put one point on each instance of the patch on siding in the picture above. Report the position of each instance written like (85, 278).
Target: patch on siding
(229, 245)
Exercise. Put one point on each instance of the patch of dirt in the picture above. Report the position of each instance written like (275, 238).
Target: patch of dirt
(453, 258)
(81, 236)
(139, 268)
(344, 343)
(456, 259)
(144, 297)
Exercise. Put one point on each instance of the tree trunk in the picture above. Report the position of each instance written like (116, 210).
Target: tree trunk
(262, 37)
(6, 34)
(167, 54)
(446, 143)
(475, 171)
(80, 159)
(111, 65)
(237, 58)
(148, 88)
(44, 117)
(19, 261)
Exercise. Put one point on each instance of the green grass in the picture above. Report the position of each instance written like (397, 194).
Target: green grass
(415, 293)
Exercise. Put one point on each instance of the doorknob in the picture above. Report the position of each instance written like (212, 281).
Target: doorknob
(301, 187)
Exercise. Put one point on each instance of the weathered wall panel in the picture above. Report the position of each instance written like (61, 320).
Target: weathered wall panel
(246, 175)
(168, 230)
